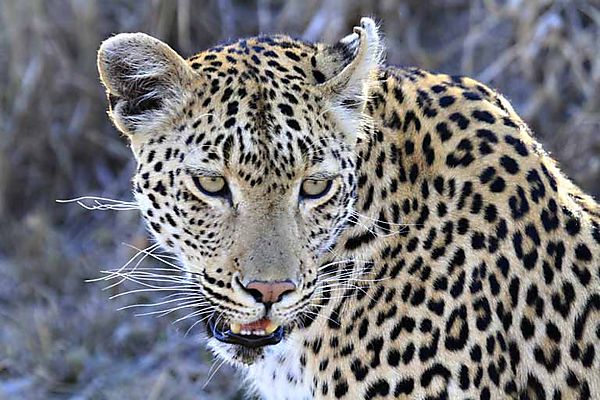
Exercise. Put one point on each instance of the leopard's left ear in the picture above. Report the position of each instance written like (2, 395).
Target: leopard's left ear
(348, 68)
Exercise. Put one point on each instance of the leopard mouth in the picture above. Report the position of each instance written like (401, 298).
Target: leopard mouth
(256, 334)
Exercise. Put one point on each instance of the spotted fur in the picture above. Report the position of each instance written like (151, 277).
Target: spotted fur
(467, 265)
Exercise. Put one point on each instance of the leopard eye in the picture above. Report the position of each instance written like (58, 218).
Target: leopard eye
(211, 185)
(314, 188)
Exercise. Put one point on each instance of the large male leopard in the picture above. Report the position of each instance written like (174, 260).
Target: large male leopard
(360, 231)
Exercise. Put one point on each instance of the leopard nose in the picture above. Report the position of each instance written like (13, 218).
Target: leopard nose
(269, 292)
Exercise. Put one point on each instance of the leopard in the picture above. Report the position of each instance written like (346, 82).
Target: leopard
(357, 230)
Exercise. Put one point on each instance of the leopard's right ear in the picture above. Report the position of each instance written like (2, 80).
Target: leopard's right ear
(143, 77)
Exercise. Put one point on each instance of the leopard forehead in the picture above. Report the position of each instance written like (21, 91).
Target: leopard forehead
(257, 113)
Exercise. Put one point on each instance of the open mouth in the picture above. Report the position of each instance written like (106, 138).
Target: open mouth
(256, 334)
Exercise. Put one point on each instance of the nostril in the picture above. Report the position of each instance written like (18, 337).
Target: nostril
(255, 293)
(269, 292)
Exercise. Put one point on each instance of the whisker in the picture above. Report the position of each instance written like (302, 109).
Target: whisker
(348, 260)
(127, 277)
(213, 373)
(346, 286)
(198, 322)
(161, 303)
(350, 279)
(147, 275)
(162, 313)
(139, 252)
(374, 232)
(101, 203)
(157, 258)
(141, 279)
(356, 213)
(144, 252)
(319, 315)
(195, 314)
(180, 289)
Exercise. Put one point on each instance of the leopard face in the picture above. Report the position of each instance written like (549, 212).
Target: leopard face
(246, 166)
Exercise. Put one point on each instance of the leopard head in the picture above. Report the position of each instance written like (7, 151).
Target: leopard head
(246, 166)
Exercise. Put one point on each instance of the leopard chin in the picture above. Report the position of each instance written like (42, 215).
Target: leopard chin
(236, 354)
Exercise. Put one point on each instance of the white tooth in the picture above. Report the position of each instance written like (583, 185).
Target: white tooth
(235, 328)
(271, 327)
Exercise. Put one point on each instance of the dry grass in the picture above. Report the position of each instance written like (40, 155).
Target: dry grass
(61, 337)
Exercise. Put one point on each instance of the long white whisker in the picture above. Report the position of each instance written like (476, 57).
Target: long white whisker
(344, 286)
(157, 258)
(180, 289)
(195, 314)
(213, 374)
(348, 261)
(198, 322)
(351, 279)
(357, 214)
(101, 203)
(127, 277)
(320, 315)
(145, 253)
(160, 303)
(162, 313)
(139, 252)
(150, 276)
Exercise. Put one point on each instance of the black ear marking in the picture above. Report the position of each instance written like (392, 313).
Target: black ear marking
(143, 95)
(142, 106)
(141, 75)
(140, 96)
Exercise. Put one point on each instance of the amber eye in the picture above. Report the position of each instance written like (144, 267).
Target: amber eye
(211, 185)
(315, 188)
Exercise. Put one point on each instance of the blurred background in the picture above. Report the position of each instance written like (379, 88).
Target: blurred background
(62, 338)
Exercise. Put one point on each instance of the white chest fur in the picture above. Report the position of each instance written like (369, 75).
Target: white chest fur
(280, 375)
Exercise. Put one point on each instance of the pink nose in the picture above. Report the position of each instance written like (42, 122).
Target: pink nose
(269, 291)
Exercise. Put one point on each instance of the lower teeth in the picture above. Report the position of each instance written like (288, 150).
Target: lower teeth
(236, 329)
(255, 333)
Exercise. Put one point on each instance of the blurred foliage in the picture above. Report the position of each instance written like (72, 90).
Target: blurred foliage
(62, 338)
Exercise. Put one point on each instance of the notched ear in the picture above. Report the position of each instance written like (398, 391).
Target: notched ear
(143, 77)
(350, 66)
